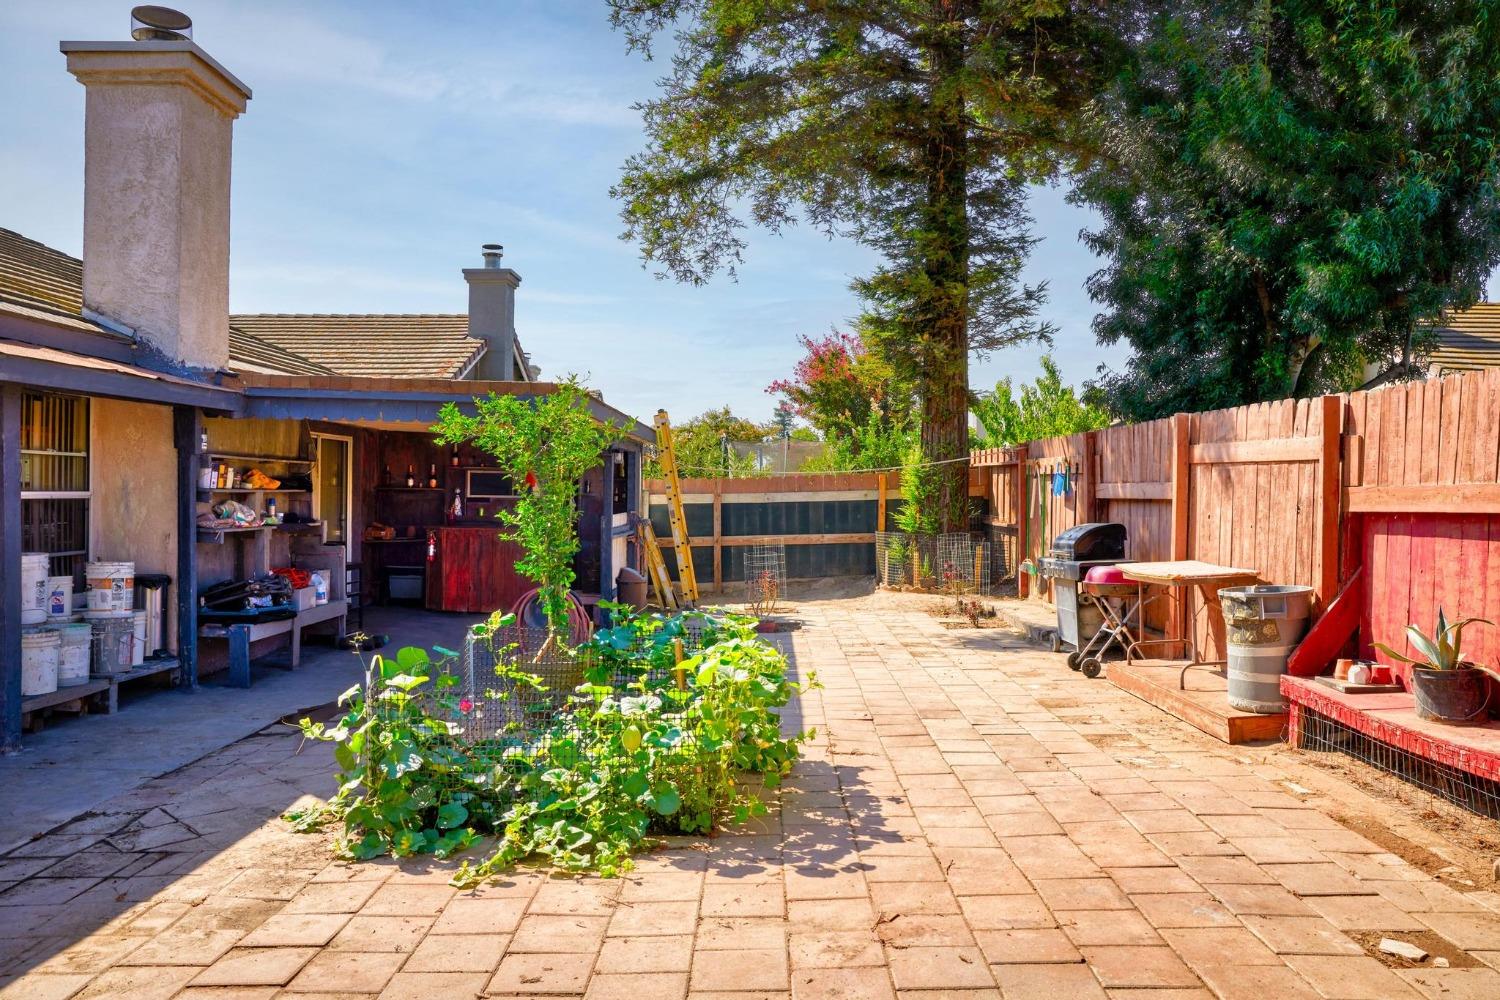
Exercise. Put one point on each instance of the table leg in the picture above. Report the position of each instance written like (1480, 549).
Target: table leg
(239, 656)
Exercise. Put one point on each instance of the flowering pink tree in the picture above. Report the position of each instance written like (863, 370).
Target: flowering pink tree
(840, 388)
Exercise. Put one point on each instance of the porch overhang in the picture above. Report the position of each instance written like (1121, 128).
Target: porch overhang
(67, 371)
(394, 403)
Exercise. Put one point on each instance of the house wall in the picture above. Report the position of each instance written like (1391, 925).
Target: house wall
(133, 513)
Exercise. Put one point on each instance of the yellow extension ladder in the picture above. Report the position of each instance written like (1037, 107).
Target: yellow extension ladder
(656, 566)
(682, 544)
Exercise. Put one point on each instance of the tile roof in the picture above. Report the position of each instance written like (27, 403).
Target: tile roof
(37, 281)
(400, 346)
(1467, 339)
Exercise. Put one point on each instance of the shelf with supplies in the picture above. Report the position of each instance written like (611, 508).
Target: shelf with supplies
(215, 456)
(411, 489)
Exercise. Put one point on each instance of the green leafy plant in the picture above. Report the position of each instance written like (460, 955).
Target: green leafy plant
(918, 513)
(401, 787)
(1443, 650)
(651, 742)
(545, 445)
(1045, 408)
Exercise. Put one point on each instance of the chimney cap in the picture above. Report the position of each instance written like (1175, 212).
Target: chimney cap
(151, 23)
(492, 254)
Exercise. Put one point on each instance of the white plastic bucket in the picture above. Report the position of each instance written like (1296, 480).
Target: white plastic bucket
(73, 653)
(138, 647)
(39, 648)
(111, 589)
(59, 598)
(113, 645)
(33, 588)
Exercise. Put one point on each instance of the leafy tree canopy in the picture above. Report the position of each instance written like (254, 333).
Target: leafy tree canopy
(1045, 408)
(910, 127)
(699, 444)
(1288, 188)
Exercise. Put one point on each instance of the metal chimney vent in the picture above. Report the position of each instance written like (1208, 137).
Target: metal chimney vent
(492, 254)
(150, 23)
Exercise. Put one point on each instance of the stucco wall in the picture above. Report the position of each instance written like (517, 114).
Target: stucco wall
(133, 515)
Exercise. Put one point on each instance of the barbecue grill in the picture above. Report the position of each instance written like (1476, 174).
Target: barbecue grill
(1073, 554)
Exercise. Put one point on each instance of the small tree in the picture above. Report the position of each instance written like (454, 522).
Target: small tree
(1046, 408)
(545, 445)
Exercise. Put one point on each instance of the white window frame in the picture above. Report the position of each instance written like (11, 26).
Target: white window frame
(318, 437)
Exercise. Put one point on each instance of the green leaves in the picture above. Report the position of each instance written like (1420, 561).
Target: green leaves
(553, 440)
(1290, 192)
(582, 787)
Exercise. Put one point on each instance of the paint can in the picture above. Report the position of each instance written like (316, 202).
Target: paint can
(73, 653)
(113, 639)
(34, 587)
(39, 648)
(59, 598)
(111, 589)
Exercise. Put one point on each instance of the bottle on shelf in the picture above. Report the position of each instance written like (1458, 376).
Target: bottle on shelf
(457, 509)
(453, 458)
(432, 482)
(385, 477)
(411, 477)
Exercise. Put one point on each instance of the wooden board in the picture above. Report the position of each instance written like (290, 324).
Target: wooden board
(474, 571)
(1204, 706)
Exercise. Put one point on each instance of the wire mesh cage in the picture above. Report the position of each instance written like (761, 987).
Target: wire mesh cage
(957, 563)
(1473, 792)
(513, 696)
(765, 577)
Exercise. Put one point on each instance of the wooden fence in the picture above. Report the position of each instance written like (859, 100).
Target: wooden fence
(1402, 482)
(1256, 486)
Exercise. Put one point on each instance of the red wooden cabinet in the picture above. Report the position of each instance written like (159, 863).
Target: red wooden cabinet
(473, 571)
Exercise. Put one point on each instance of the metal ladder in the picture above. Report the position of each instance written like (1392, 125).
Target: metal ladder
(681, 543)
(656, 566)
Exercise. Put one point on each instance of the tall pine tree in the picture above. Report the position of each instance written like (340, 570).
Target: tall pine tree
(909, 126)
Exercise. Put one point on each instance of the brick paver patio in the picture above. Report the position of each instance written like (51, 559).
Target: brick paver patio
(974, 821)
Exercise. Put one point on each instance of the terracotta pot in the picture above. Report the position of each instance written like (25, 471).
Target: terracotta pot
(1341, 669)
(1458, 697)
(1380, 674)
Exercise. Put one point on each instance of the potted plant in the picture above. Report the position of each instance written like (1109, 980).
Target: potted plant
(1446, 687)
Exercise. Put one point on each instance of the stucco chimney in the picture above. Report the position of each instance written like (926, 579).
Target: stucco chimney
(157, 133)
(492, 315)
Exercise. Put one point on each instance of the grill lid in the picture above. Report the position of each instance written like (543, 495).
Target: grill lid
(1094, 540)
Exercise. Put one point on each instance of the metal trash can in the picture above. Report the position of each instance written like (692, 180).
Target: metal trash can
(1262, 623)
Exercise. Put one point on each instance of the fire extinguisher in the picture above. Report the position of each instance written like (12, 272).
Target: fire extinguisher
(432, 546)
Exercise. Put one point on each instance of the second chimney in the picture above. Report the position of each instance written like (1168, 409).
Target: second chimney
(492, 315)
(157, 134)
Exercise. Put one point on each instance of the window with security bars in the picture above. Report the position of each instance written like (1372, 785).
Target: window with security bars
(55, 485)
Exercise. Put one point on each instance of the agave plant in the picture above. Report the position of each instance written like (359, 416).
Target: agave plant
(1442, 650)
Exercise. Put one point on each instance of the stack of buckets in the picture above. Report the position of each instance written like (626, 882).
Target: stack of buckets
(112, 617)
(54, 644)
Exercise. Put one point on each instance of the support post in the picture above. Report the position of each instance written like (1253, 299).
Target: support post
(607, 530)
(718, 536)
(1330, 482)
(880, 502)
(633, 504)
(10, 567)
(1182, 454)
(187, 428)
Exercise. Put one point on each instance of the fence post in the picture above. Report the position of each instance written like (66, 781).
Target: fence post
(1330, 482)
(718, 536)
(1023, 522)
(880, 504)
(1180, 621)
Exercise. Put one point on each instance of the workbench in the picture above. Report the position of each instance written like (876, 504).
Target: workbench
(1180, 577)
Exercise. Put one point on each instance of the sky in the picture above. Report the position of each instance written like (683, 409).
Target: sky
(381, 148)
